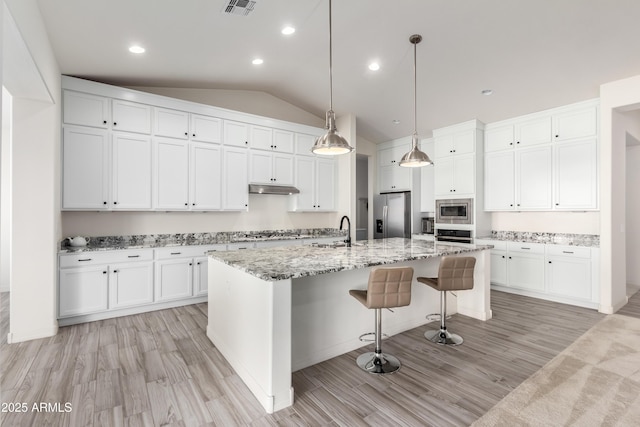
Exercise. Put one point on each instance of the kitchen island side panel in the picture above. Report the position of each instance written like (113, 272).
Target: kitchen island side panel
(250, 324)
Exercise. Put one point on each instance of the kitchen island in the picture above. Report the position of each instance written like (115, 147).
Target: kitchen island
(274, 311)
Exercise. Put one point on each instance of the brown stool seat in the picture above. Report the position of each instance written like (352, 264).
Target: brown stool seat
(454, 274)
(388, 287)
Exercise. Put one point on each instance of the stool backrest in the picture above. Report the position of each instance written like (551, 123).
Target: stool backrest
(456, 273)
(389, 287)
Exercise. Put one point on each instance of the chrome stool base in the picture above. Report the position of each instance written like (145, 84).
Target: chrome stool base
(444, 337)
(378, 363)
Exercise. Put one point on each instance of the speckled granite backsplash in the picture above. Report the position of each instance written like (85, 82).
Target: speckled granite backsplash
(592, 240)
(161, 240)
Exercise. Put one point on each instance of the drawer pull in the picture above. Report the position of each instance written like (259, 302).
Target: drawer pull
(133, 256)
(176, 253)
(86, 259)
(567, 252)
(524, 248)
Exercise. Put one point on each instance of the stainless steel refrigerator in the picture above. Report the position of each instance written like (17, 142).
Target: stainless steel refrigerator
(392, 215)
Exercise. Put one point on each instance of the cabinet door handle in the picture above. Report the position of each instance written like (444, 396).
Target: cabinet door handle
(133, 256)
(549, 262)
(557, 136)
(567, 252)
(186, 134)
(114, 123)
(509, 257)
(104, 203)
(86, 259)
(198, 263)
(115, 271)
(104, 122)
(104, 272)
(190, 264)
(193, 135)
(176, 253)
(522, 247)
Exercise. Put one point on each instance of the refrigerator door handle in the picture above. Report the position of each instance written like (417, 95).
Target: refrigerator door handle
(385, 217)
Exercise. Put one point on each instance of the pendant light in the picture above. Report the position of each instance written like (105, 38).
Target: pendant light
(331, 142)
(415, 158)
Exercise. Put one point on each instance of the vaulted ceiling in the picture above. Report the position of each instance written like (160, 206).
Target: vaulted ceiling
(533, 54)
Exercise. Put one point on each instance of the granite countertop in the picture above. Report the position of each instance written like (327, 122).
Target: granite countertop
(587, 240)
(145, 241)
(282, 263)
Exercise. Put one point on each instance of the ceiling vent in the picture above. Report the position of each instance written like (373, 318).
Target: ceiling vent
(239, 7)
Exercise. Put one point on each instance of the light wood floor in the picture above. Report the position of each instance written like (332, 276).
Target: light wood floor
(159, 368)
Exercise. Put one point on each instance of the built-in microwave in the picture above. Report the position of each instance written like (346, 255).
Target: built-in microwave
(454, 211)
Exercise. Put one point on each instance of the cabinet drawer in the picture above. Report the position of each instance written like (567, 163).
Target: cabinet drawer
(569, 251)
(106, 257)
(186, 251)
(532, 248)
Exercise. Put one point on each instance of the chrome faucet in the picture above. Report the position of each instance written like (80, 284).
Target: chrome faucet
(348, 239)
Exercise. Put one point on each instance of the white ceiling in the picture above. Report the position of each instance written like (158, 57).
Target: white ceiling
(533, 54)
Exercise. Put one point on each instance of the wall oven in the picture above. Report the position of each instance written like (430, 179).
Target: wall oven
(454, 236)
(454, 211)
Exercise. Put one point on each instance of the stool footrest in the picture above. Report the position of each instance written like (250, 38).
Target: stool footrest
(361, 337)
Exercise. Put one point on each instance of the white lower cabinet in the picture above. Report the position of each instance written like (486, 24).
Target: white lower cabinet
(99, 285)
(181, 271)
(567, 274)
(131, 284)
(83, 290)
(525, 266)
(94, 282)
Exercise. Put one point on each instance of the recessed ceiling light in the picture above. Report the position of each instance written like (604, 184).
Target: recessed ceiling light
(374, 66)
(257, 61)
(136, 49)
(487, 92)
(288, 30)
(396, 122)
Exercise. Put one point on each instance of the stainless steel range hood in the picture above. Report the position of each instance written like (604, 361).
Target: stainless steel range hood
(272, 189)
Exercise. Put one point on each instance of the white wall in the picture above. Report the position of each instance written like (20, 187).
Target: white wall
(253, 102)
(615, 98)
(5, 192)
(35, 188)
(266, 212)
(549, 222)
(633, 214)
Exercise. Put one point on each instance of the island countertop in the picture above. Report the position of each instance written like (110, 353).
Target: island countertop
(281, 263)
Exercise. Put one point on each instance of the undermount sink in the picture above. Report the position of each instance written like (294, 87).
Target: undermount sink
(336, 244)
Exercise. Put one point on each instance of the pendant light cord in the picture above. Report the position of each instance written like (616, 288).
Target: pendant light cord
(415, 90)
(330, 64)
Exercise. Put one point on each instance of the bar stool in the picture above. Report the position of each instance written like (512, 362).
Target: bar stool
(388, 287)
(454, 274)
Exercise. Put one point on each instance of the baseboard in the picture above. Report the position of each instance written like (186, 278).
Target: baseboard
(34, 334)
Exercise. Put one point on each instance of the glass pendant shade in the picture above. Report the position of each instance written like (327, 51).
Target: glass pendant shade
(331, 143)
(415, 158)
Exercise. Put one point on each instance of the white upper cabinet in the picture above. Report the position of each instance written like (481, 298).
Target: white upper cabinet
(392, 177)
(131, 172)
(236, 133)
(533, 179)
(270, 168)
(455, 176)
(499, 137)
(315, 177)
(85, 165)
(172, 174)
(575, 175)
(205, 128)
(85, 109)
(461, 142)
(171, 123)
(499, 184)
(130, 116)
(518, 133)
(576, 123)
(304, 144)
(555, 157)
(235, 179)
(261, 138)
(533, 132)
(283, 141)
(205, 177)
